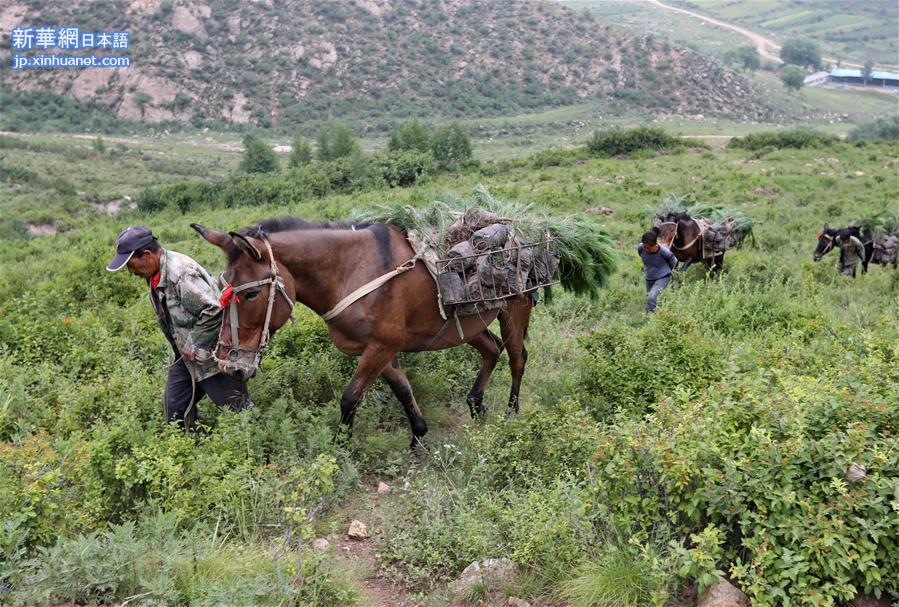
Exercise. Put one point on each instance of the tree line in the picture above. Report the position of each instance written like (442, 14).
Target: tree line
(447, 147)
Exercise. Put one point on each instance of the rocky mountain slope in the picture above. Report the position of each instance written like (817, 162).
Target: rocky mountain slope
(294, 62)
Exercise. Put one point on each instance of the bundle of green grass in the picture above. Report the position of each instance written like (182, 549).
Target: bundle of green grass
(586, 255)
(881, 224)
(739, 222)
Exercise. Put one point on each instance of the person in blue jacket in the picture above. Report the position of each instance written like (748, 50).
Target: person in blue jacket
(658, 262)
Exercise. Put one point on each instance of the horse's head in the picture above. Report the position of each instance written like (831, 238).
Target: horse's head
(256, 298)
(826, 239)
(666, 226)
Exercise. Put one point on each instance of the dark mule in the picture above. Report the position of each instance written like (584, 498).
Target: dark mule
(683, 235)
(827, 240)
(319, 264)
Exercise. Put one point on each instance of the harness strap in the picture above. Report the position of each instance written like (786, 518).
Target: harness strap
(368, 287)
(692, 242)
(276, 285)
(271, 295)
(235, 326)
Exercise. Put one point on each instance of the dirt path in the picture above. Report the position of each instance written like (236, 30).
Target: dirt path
(360, 559)
(766, 47)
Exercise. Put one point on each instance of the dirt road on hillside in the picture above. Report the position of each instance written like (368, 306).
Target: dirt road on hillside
(766, 47)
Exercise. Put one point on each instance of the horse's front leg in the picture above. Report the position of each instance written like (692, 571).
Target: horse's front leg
(372, 362)
(683, 265)
(399, 384)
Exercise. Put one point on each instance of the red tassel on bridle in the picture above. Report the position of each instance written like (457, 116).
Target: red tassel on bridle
(227, 296)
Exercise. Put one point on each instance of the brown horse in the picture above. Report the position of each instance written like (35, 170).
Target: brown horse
(318, 264)
(683, 235)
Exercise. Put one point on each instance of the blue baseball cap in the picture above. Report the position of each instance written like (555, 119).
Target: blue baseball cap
(132, 238)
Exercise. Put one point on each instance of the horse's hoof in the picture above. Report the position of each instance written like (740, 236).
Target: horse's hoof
(416, 449)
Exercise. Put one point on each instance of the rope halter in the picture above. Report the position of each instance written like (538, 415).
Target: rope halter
(829, 247)
(231, 300)
(674, 236)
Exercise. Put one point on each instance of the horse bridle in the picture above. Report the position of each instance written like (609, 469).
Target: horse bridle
(830, 240)
(670, 223)
(277, 285)
(673, 238)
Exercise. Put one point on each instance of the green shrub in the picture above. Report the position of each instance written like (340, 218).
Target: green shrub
(631, 369)
(434, 534)
(451, 147)
(405, 169)
(11, 173)
(537, 447)
(763, 458)
(410, 136)
(791, 138)
(50, 112)
(300, 153)
(792, 76)
(184, 196)
(555, 157)
(156, 562)
(258, 157)
(801, 53)
(882, 129)
(616, 141)
(337, 142)
(351, 173)
(36, 494)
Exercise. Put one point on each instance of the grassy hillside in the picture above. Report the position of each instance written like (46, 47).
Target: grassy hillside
(293, 65)
(854, 31)
(710, 438)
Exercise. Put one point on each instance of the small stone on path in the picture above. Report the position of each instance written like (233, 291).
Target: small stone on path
(723, 594)
(320, 544)
(357, 531)
(383, 487)
(490, 572)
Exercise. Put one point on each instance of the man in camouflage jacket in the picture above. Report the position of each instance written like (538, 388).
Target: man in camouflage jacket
(184, 297)
(852, 251)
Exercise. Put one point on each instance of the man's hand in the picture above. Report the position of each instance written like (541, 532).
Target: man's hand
(187, 355)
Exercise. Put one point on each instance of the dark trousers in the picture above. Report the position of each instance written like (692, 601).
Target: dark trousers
(181, 396)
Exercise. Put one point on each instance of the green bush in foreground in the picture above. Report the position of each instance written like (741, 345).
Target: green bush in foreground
(764, 460)
(161, 566)
(630, 370)
(621, 577)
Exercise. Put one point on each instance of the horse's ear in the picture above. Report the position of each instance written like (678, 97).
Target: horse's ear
(243, 243)
(656, 229)
(219, 239)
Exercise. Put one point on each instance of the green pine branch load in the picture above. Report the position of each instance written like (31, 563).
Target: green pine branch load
(713, 212)
(586, 254)
(881, 223)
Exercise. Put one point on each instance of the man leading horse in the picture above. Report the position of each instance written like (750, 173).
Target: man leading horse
(185, 299)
